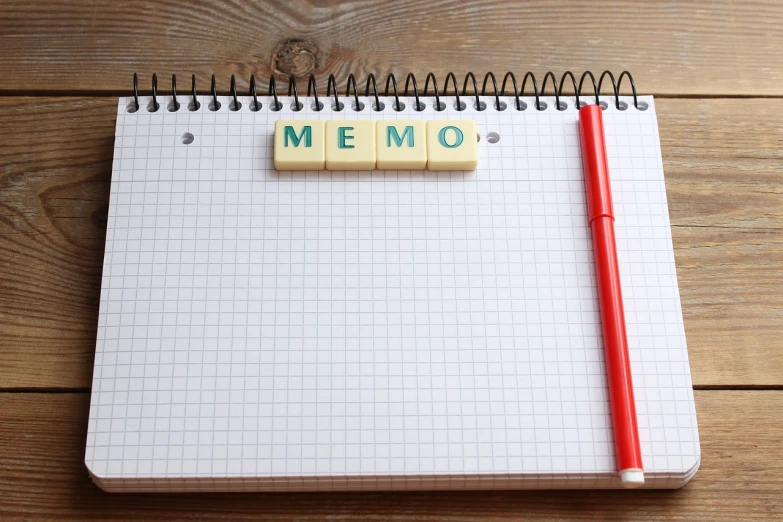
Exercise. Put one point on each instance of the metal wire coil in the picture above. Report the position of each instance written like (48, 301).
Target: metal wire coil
(371, 89)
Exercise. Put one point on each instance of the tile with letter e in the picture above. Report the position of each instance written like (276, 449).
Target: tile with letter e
(299, 145)
(451, 145)
(350, 145)
(401, 144)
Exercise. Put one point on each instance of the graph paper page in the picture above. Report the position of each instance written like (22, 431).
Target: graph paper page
(278, 329)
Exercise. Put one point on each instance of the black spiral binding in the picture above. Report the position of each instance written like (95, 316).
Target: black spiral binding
(352, 91)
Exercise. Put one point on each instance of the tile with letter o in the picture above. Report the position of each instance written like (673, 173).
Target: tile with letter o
(451, 145)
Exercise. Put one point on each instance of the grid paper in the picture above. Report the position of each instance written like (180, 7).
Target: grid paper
(264, 330)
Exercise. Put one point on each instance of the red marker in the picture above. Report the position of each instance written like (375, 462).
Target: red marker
(600, 214)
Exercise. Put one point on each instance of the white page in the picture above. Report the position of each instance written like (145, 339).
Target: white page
(337, 330)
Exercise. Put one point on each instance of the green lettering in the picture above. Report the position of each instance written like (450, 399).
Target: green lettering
(457, 133)
(307, 134)
(391, 134)
(342, 137)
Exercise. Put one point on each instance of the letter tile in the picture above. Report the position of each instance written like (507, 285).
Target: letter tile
(299, 145)
(401, 144)
(451, 145)
(350, 145)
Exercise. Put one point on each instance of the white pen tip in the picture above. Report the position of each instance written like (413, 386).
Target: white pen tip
(632, 478)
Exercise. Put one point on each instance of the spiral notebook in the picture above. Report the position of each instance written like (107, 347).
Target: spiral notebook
(262, 330)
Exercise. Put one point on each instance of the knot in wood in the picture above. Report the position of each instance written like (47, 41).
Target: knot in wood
(295, 57)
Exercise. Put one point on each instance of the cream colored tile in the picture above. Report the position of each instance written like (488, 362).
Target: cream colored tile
(350, 145)
(451, 145)
(299, 145)
(401, 144)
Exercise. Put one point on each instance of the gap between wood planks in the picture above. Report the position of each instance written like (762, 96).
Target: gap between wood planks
(283, 92)
(700, 387)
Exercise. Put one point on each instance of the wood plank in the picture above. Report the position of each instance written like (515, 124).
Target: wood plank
(688, 47)
(724, 179)
(741, 477)
(731, 289)
(55, 167)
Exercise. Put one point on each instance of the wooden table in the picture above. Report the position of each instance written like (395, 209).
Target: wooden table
(717, 73)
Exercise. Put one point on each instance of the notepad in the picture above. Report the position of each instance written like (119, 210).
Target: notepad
(266, 330)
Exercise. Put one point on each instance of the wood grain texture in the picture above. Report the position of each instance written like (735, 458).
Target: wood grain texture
(689, 47)
(724, 179)
(741, 477)
(723, 161)
(55, 167)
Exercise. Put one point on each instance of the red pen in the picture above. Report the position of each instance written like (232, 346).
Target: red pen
(600, 215)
